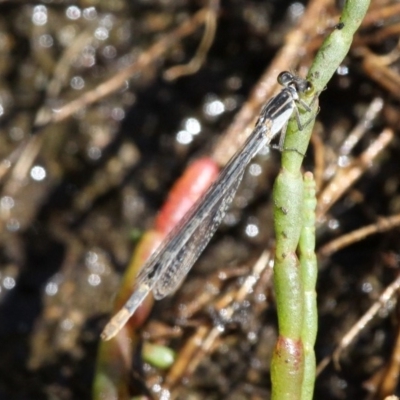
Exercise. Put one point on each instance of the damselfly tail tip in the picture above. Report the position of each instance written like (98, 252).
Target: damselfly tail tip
(116, 323)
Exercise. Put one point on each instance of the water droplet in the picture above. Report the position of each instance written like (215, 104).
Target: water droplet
(101, 33)
(46, 41)
(89, 13)
(39, 16)
(77, 83)
(94, 262)
(342, 70)
(231, 103)
(73, 12)
(184, 137)
(156, 388)
(192, 125)
(109, 52)
(296, 10)
(252, 337)
(7, 202)
(107, 21)
(51, 288)
(366, 287)
(333, 224)
(38, 173)
(255, 169)
(117, 113)
(264, 151)
(343, 161)
(67, 324)
(91, 258)
(94, 280)
(261, 298)
(94, 153)
(252, 230)
(8, 282)
(234, 82)
(13, 225)
(213, 107)
(165, 394)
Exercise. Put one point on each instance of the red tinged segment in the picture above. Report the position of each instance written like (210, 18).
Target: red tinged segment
(290, 352)
(187, 190)
(287, 368)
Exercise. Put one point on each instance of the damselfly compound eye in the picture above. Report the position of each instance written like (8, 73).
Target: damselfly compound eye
(309, 90)
(285, 78)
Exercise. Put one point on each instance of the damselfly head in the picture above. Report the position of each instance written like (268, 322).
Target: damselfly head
(285, 78)
(301, 85)
(309, 90)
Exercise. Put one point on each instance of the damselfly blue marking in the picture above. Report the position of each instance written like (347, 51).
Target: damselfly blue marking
(170, 263)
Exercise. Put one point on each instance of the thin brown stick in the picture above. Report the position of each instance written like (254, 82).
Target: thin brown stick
(30, 150)
(63, 66)
(208, 38)
(353, 138)
(46, 116)
(186, 353)
(355, 330)
(365, 319)
(378, 37)
(215, 281)
(377, 68)
(382, 225)
(119, 79)
(346, 177)
(379, 14)
(191, 355)
(390, 378)
(361, 128)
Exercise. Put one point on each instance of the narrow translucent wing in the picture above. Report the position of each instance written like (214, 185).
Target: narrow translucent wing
(187, 255)
(170, 264)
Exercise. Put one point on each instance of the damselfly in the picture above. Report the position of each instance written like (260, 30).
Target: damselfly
(168, 266)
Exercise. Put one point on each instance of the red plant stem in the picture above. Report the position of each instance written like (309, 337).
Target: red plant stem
(190, 186)
(113, 363)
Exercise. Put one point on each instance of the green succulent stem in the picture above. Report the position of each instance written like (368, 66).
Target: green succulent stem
(293, 363)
